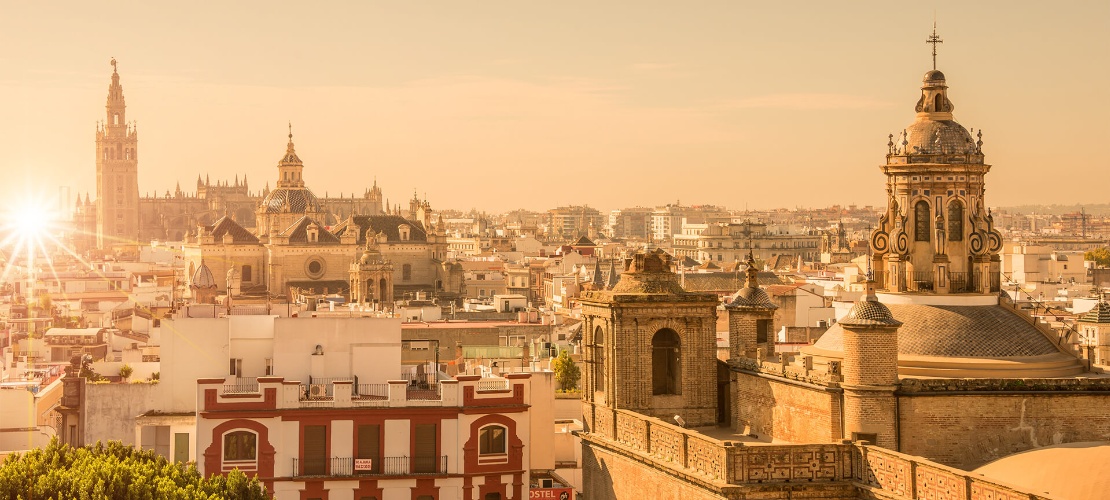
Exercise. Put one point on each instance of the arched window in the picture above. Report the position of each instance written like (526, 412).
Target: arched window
(115, 119)
(921, 221)
(937, 102)
(955, 221)
(240, 446)
(491, 440)
(666, 362)
(406, 272)
(599, 359)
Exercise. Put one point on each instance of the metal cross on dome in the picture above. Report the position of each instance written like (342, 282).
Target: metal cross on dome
(934, 40)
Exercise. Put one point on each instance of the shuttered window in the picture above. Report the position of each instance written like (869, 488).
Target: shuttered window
(425, 457)
(315, 450)
(369, 445)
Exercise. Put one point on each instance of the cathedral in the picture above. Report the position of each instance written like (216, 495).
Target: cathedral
(272, 243)
(932, 374)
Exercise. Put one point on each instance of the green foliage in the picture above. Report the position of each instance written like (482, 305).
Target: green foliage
(1100, 256)
(125, 371)
(87, 371)
(566, 372)
(114, 471)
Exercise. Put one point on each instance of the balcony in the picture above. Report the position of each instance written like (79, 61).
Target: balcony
(387, 466)
(242, 385)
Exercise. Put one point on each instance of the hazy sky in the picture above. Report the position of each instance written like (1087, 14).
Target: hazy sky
(506, 104)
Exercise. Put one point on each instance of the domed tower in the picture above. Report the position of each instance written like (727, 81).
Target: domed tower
(870, 371)
(650, 346)
(750, 317)
(290, 200)
(371, 275)
(203, 285)
(937, 234)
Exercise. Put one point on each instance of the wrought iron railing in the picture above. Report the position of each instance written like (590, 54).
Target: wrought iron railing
(921, 281)
(964, 281)
(421, 386)
(242, 385)
(371, 391)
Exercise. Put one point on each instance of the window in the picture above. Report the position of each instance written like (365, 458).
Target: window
(762, 330)
(937, 102)
(921, 221)
(240, 446)
(369, 447)
(315, 450)
(599, 359)
(666, 357)
(246, 274)
(955, 221)
(406, 272)
(236, 367)
(269, 366)
(491, 440)
(425, 458)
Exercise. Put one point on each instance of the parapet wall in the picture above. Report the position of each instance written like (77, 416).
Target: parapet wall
(622, 445)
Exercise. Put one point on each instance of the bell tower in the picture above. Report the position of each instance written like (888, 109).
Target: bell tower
(117, 173)
(937, 235)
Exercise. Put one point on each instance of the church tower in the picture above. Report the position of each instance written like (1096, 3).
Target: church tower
(117, 173)
(650, 347)
(937, 234)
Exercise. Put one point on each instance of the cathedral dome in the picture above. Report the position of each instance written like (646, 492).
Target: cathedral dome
(957, 341)
(938, 136)
(203, 277)
(291, 200)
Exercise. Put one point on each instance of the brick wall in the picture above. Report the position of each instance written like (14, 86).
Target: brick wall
(784, 410)
(969, 430)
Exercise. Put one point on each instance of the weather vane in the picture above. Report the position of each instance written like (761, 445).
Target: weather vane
(934, 40)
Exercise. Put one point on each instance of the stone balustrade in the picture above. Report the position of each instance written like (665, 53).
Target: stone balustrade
(878, 472)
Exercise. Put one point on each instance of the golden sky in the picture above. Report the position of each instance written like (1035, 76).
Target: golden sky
(498, 105)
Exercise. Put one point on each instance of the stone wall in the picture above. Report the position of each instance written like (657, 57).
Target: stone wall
(637, 457)
(884, 474)
(967, 423)
(785, 410)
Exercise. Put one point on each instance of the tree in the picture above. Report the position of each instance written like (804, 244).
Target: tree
(125, 371)
(566, 371)
(87, 371)
(1100, 256)
(115, 471)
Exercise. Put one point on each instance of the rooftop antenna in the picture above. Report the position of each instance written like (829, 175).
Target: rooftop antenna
(934, 40)
(870, 272)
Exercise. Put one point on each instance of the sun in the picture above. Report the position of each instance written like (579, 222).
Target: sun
(31, 221)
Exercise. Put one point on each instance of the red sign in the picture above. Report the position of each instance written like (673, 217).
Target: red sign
(551, 494)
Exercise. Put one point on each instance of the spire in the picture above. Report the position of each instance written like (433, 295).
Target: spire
(752, 272)
(290, 167)
(597, 281)
(116, 124)
(613, 276)
(934, 40)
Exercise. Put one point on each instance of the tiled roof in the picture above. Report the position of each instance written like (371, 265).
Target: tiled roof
(291, 200)
(239, 234)
(957, 331)
(298, 233)
(1100, 313)
(723, 282)
(386, 224)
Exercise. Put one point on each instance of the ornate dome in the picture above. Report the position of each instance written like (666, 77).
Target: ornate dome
(938, 136)
(752, 297)
(203, 277)
(870, 312)
(291, 200)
